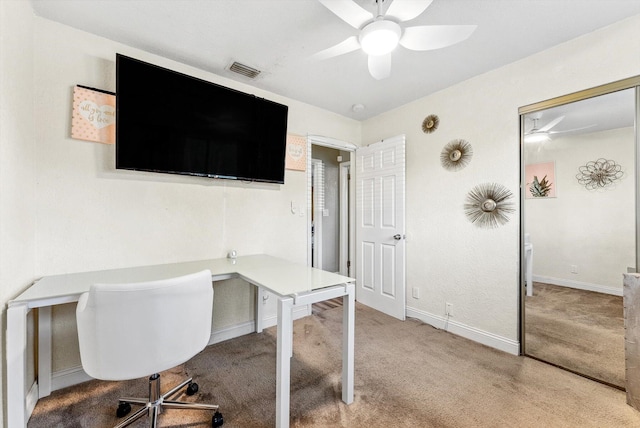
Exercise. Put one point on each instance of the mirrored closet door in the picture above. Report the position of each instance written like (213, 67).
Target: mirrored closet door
(579, 231)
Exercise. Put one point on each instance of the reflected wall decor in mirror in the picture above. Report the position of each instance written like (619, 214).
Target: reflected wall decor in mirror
(582, 238)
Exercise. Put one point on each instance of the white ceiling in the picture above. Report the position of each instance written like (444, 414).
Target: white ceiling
(279, 36)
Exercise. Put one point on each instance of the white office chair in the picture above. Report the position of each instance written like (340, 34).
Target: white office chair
(127, 331)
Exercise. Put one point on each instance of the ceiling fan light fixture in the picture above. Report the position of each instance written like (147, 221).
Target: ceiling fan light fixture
(537, 137)
(380, 37)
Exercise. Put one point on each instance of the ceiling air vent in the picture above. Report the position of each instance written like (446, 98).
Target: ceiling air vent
(245, 70)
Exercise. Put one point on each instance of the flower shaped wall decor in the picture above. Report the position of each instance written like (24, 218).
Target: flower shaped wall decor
(456, 155)
(488, 204)
(599, 174)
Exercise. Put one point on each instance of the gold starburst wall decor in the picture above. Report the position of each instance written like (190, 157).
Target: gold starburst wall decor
(430, 124)
(456, 155)
(488, 205)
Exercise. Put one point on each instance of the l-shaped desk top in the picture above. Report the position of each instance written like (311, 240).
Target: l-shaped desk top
(294, 284)
(276, 275)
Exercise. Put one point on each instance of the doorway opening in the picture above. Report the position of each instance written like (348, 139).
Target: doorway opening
(330, 234)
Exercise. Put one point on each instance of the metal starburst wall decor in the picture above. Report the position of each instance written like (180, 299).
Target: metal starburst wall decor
(456, 155)
(430, 123)
(488, 205)
(599, 174)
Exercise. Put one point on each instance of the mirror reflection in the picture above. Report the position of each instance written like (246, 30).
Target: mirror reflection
(579, 220)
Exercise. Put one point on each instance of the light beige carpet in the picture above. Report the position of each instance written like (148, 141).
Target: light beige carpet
(408, 374)
(579, 330)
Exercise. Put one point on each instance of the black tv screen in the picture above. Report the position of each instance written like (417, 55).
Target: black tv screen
(173, 123)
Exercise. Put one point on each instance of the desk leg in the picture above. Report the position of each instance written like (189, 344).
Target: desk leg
(16, 365)
(283, 363)
(348, 340)
(44, 351)
(259, 313)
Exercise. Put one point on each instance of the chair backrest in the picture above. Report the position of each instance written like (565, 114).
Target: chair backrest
(127, 331)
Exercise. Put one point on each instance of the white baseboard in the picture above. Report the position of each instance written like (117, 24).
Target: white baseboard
(31, 399)
(232, 332)
(68, 377)
(471, 333)
(298, 312)
(606, 289)
(75, 375)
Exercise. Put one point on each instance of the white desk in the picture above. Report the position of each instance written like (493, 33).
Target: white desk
(294, 284)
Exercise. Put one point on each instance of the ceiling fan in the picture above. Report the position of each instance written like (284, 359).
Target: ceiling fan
(538, 135)
(381, 34)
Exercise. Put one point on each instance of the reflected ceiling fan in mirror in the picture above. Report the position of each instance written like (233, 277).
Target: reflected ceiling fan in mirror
(381, 34)
(543, 134)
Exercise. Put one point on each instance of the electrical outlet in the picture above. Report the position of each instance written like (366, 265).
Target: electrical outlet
(448, 309)
(415, 292)
(574, 269)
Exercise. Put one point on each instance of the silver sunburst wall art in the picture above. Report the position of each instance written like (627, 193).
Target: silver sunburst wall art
(456, 155)
(488, 205)
(599, 174)
(430, 124)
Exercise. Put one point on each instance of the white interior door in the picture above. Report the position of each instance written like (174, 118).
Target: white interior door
(380, 224)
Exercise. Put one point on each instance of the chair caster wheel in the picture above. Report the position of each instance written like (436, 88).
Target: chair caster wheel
(217, 420)
(192, 388)
(123, 409)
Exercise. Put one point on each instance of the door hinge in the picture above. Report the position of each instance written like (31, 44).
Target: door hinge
(348, 176)
(348, 264)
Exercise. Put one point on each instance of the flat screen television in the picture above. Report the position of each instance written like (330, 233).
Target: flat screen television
(173, 123)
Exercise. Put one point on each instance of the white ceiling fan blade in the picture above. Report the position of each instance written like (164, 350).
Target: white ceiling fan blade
(551, 124)
(429, 37)
(380, 66)
(349, 45)
(348, 11)
(406, 10)
(574, 129)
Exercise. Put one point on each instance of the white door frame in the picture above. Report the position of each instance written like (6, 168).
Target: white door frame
(345, 196)
(318, 140)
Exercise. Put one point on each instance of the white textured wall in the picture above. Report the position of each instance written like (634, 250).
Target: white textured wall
(119, 218)
(449, 259)
(591, 229)
(17, 163)
(91, 216)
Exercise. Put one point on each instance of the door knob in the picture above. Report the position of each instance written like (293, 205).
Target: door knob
(397, 237)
